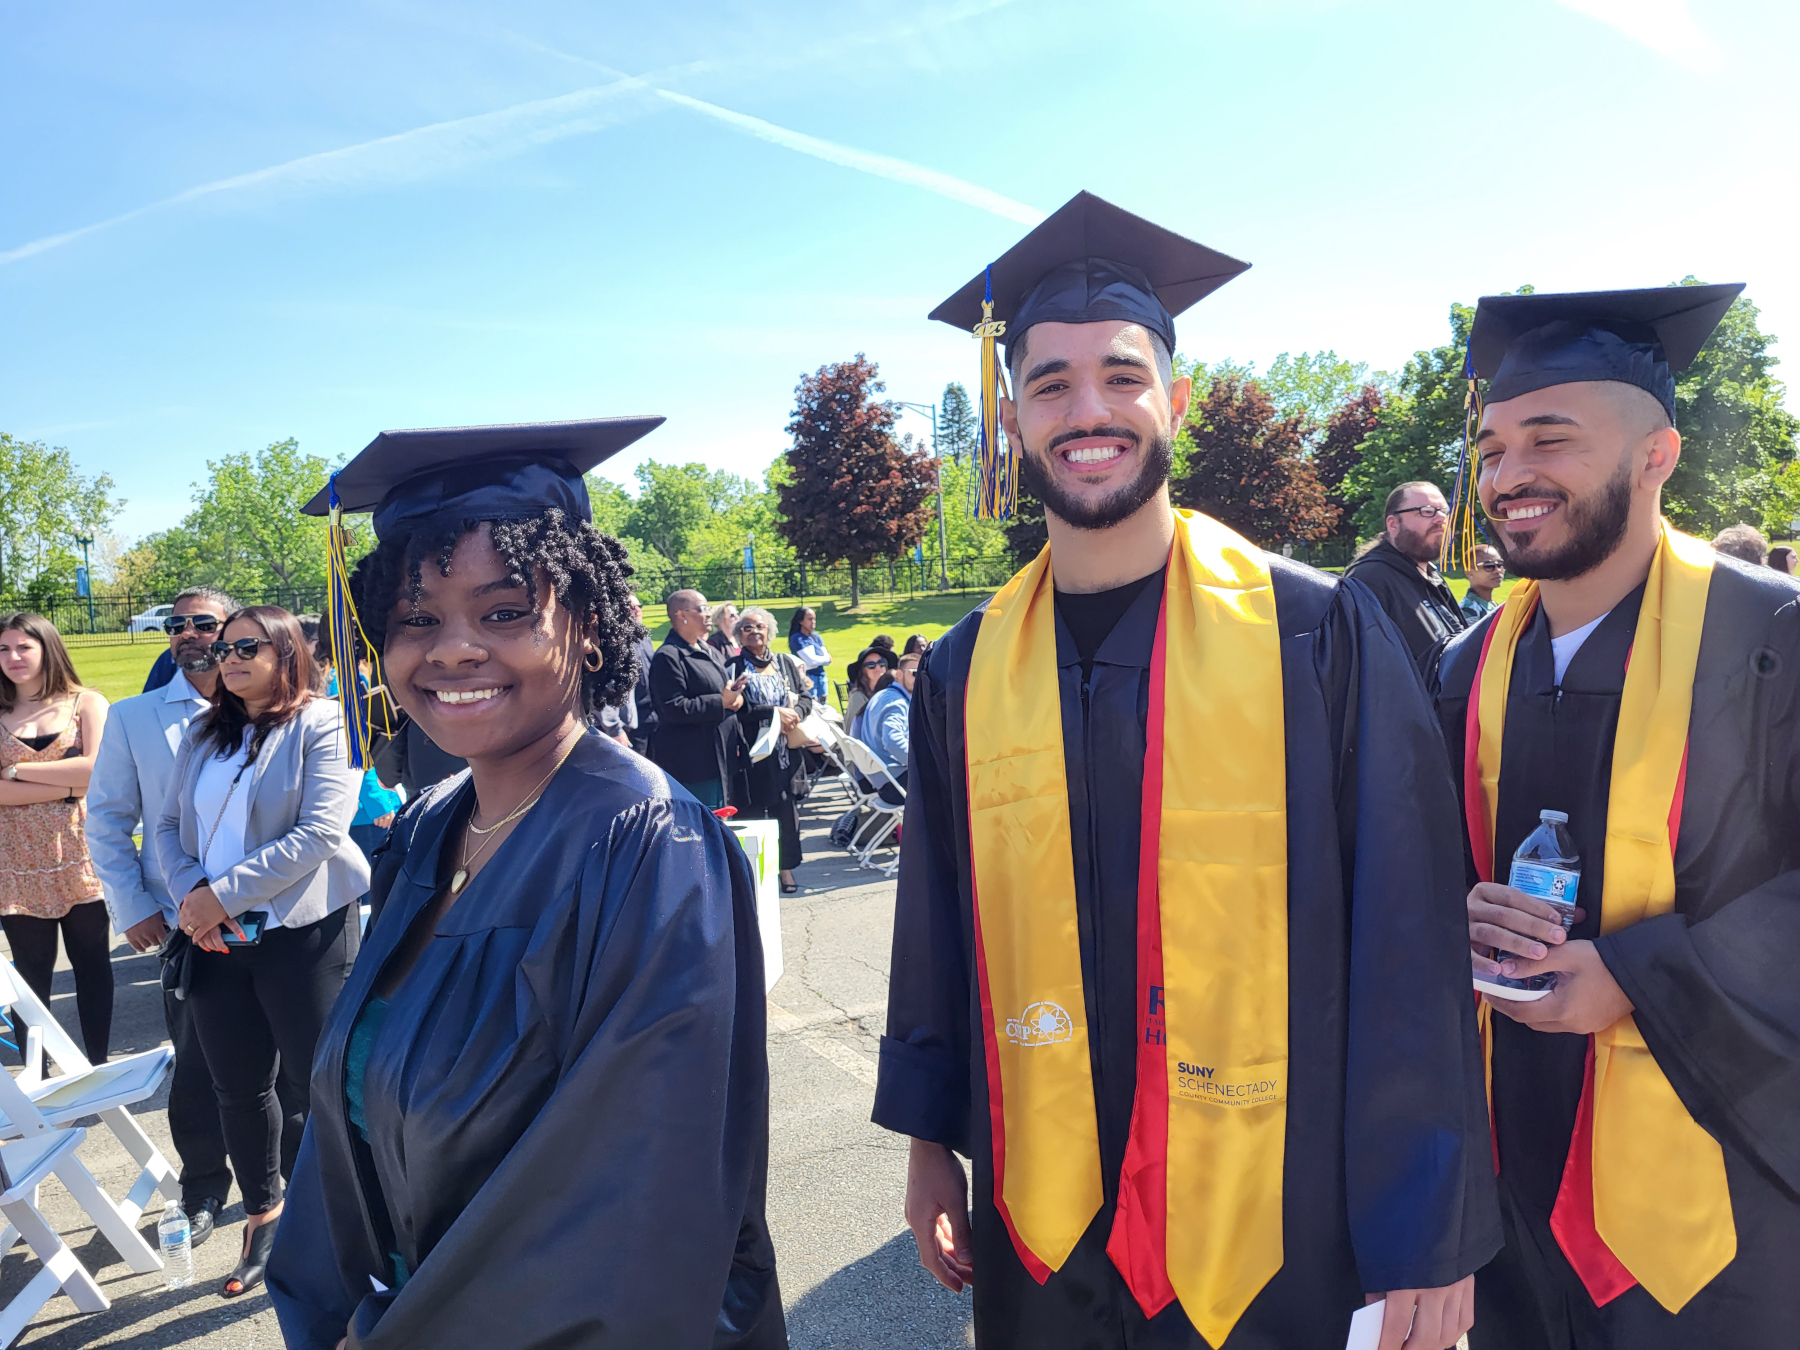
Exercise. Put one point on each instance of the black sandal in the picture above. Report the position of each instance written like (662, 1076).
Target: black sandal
(250, 1270)
(790, 888)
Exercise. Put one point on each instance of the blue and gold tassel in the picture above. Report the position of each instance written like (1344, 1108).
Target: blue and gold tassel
(1458, 553)
(346, 637)
(997, 478)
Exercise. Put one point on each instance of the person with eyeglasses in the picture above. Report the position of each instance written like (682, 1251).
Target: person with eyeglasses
(1484, 579)
(1400, 567)
(132, 773)
(872, 672)
(254, 835)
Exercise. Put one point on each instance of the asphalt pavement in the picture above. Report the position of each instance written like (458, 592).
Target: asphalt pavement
(850, 1275)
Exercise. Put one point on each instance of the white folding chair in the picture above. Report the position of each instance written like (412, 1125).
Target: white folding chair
(843, 781)
(886, 814)
(23, 1166)
(33, 1102)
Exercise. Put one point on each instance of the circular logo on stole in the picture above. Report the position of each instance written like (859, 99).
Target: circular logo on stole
(1042, 1023)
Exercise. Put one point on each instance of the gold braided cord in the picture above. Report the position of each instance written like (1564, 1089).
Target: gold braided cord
(347, 634)
(996, 478)
(1461, 538)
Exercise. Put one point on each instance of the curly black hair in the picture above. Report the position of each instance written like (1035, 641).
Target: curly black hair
(588, 572)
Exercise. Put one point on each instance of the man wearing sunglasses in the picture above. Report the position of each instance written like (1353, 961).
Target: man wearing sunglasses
(131, 778)
(1484, 579)
(1401, 568)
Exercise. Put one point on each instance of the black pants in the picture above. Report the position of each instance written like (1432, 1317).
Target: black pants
(259, 1011)
(87, 937)
(787, 818)
(194, 1122)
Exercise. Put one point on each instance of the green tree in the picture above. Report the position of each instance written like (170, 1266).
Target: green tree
(246, 533)
(48, 505)
(1247, 466)
(1418, 432)
(956, 432)
(1314, 385)
(854, 493)
(250, 511)
(1736, 437)
(675, 501)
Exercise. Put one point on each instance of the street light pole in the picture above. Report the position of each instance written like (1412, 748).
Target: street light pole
(943, 544)
(87, 573)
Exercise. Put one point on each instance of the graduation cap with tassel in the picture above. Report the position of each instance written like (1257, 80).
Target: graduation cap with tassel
(430, 478)
(1523, 343)
(1089, 262)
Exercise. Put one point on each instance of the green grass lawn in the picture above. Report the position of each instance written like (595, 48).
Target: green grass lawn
(119, 671)
(116, 671)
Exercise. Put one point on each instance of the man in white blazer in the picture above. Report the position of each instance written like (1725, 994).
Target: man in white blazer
(132, 774)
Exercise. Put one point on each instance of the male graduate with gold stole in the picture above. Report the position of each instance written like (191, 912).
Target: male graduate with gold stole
(1646, 1110)
(1179, 955)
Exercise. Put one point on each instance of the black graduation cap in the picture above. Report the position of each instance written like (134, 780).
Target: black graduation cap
(1522, 343)
(1089, 262)
(413, 478)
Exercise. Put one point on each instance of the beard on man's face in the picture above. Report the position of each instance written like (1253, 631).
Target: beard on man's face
(1099, 513)
(194, 654)
(1595, 526)
(1419, 545)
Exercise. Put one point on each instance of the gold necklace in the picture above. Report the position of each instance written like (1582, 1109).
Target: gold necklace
(460, 877)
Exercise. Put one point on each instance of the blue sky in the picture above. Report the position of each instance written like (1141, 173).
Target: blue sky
(223, 225)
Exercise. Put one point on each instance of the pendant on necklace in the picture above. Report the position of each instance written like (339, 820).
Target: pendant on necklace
(459, 880)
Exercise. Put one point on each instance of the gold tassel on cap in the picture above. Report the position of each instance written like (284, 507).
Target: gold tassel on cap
(997, 477)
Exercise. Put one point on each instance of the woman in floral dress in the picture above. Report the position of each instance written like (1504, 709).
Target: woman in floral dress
(49, 732)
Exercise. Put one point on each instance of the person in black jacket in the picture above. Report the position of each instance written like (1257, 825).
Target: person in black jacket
(640, 694)
(1401, 570)
(695, 700)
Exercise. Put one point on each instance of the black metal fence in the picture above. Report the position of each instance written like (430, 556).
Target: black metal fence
(120, 619)
(109, 620)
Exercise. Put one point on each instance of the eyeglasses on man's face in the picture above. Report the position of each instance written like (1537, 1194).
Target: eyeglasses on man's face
(244, 649)
(1424, 512)
(200, 623)
(1490, 567)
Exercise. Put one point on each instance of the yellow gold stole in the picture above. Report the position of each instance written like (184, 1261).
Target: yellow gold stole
(1651, 1184)
(1209, 1120)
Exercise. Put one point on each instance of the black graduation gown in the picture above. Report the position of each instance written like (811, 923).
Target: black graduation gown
(1388, 1180)
(567, 1102)
(1714, 983)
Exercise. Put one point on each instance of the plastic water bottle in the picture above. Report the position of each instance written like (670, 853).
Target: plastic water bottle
(1547, 868)
(172, 1235)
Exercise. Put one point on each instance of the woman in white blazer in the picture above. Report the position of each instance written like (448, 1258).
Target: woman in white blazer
(255, 842)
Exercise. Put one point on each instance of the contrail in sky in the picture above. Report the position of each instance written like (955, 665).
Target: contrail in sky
(864, 161)
(418, 153)
(442, 147)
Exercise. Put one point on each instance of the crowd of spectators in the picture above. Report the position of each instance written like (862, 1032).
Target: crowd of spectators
(217, 812)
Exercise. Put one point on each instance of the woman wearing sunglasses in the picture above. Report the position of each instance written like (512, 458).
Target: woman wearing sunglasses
(255, 835)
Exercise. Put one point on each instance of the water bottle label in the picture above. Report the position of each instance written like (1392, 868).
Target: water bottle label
(1555, 884)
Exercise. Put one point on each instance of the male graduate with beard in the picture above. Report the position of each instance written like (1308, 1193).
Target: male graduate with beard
(1179, 958)
(1647, 1110)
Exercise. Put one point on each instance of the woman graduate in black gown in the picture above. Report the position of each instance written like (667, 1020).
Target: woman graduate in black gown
(540, 1108)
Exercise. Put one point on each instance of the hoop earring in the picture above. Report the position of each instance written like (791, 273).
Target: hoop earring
(593, 660)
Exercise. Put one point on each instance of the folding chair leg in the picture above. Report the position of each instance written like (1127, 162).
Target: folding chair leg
(61, 1271)
(108, 1217)
(8, 1236)
(157, 1173)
